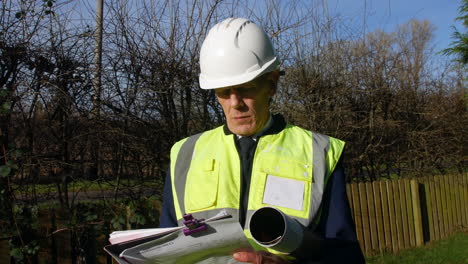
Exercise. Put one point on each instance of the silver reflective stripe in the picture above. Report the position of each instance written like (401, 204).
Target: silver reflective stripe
(184, 158)
(210, 213)
(320, 147)
(247, 217)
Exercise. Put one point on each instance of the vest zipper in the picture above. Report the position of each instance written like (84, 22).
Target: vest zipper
(241, 186)
(244, 185)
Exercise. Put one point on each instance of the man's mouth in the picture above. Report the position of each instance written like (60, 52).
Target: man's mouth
(240, 117)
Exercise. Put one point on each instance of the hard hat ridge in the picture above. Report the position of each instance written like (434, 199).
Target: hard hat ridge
(239, 31)
(235, 51)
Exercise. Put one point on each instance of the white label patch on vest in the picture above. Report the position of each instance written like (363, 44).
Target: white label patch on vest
(284, 192)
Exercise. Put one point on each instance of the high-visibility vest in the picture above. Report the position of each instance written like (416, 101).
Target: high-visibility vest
(206, 172)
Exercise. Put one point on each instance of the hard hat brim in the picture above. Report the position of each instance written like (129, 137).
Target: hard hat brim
(207, 83)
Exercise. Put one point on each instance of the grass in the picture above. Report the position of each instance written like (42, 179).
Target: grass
(452, 250)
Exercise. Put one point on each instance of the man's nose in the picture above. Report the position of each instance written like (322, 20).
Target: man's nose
(235, 98)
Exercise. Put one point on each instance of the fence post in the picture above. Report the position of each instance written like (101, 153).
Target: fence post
(417, 213)
(448, 198)
(410, 212)
(393, 215)
(403, 214)
(435, 209)
(428, 229)
(357, 213)
(386, 215)
(365, 218)
(440, 213)
(464, 184)
(378, 200)
(372, 218)
(464, 201)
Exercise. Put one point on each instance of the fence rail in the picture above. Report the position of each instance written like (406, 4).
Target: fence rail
(391, 215)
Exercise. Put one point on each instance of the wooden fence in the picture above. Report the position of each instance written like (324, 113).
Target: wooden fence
(396, 214)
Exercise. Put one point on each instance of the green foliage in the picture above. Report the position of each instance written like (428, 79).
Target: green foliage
(21, 219)
(11, 165)
(20, 253)
(4, 171)
(118, 222)
(24, 242)
(16, 253)
(459, 46)
(119, 215)
(134, 214)
(88, 220)
(5, 109)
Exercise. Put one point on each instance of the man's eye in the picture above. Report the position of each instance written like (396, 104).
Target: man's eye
(222, 93)
(244, 90)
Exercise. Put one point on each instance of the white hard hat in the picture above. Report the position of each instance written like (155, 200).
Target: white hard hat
(235, 51)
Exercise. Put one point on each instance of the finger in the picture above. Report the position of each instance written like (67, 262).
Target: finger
(259, 257)
(246, 256)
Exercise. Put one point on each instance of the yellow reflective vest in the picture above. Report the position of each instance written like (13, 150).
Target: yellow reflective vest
(206, 173)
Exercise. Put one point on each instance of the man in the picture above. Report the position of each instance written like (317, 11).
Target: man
(255, 158)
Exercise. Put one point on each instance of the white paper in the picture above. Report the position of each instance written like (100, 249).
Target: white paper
(284, 192)
(129, 235)
(215, 245)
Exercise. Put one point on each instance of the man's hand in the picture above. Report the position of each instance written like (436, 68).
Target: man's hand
(258, 257)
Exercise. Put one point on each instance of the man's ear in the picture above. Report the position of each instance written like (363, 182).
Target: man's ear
(273, 77)
(272, 90)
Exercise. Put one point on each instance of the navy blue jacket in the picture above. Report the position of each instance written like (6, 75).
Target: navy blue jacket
(336, 226)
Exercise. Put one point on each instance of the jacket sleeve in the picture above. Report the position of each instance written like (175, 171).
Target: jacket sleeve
(168, 216)
(336, 226)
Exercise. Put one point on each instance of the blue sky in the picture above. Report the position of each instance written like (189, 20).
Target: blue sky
(387, 14)
(380, 14)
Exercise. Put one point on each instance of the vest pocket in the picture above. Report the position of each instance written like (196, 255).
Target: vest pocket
(286, 184)
(201, 189)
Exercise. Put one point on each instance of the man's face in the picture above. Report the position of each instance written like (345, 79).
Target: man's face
(246, 106)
